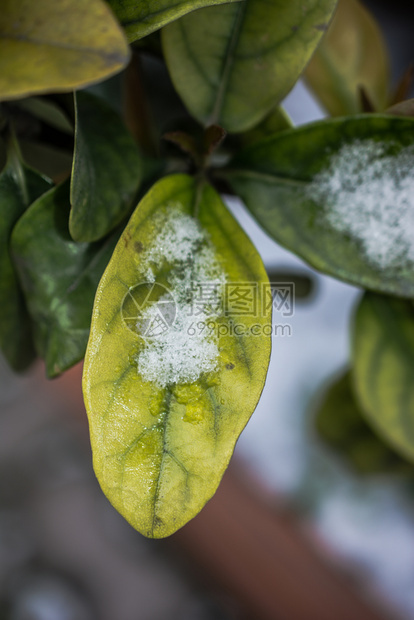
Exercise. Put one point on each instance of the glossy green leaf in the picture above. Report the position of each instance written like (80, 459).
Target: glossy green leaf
(233, 64)
(162, 441)
(59, 278)
(141, 18)
(19, 186)
(351, 55)
(57, 46)
(106, 170)
(277, 179)
(383, 367)
(343, 427)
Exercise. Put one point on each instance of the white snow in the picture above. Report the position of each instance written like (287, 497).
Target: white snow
(185, 350)
(369, 194)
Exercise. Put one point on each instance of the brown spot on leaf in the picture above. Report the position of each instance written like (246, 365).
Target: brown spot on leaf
(230, 366)
(138, 247)
(321, 27)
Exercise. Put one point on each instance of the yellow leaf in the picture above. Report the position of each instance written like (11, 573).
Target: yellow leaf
(57, 46)
(351, 55)
(170, 382)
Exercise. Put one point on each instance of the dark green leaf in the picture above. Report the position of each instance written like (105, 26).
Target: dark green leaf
(57, 46)
(276, 121)
(59, 278)
(345, 229)
(111, 91)
(233, 64)
(55, 162)
(303, 283)
(19, 186)
(141, 18)
(48, 112)
(106, 173)
(383, 367)
(342, 426)
(165, 106)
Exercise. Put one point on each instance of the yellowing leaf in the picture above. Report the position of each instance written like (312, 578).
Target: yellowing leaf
(351, 55)
(141, 18)
(403, 108)
(176, 359)
(57, 46)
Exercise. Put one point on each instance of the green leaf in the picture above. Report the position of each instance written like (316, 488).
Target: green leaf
(304, 285)
(57, 46)
(383, 367)
(164, 415)
(233, 64)
(327, 192)
(341, 424)
(106, 171)
(19, 186)
(54, 162)
(276, 121)
(141, 18)
(351, 55)
(48, 112)
(163, 105)
(59, 278)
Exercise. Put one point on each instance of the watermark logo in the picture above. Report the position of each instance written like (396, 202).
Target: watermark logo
(149, 309)
(243, 299)
(281, 297)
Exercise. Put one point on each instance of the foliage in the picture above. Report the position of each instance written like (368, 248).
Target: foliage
(197, 111)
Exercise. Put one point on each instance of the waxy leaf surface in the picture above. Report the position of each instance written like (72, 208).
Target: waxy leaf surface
(161, 444)
(59, 278)
(57, 46)
(106, 172)
(354, 221)
(19, 186)
(383, 367)
(232, 64)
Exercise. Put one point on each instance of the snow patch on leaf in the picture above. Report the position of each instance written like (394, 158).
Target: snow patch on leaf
(367, 192)
(187, 349)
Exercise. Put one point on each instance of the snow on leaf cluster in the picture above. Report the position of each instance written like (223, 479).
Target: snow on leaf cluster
(368, 193)
(183, 249)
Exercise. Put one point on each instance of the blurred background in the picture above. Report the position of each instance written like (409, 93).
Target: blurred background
(295, 531)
